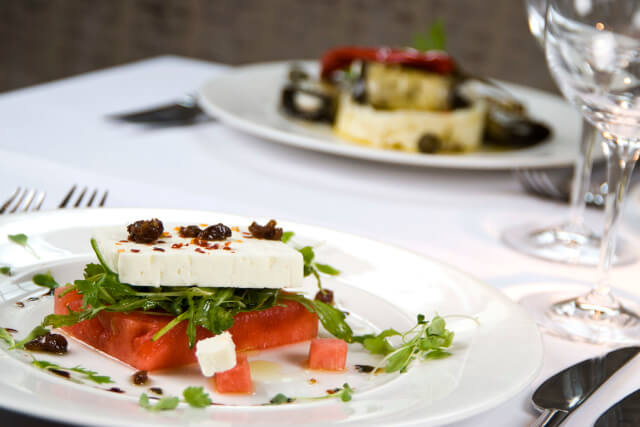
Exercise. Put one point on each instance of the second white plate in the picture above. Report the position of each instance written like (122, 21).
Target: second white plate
(247, 98)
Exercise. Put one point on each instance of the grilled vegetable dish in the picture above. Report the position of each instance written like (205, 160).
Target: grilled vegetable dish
(408, 100)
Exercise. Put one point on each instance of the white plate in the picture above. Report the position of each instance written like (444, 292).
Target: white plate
(381, 286)
(247, 99)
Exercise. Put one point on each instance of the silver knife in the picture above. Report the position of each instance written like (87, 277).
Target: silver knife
(624, 413)
(561, 394)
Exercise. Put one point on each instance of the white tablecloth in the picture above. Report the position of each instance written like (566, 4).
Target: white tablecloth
(55, 135)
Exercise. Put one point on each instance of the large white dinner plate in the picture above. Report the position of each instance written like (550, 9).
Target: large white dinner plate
(247, 98)
(380, 286)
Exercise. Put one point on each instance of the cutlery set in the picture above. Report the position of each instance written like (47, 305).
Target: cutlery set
(565, 391)
(30, 200)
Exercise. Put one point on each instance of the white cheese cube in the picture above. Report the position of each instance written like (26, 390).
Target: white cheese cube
(240, 261)
(216, 354)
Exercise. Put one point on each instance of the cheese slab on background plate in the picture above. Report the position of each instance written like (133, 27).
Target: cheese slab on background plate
(239, 261)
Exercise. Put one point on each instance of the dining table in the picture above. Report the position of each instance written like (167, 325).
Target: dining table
(59, 134)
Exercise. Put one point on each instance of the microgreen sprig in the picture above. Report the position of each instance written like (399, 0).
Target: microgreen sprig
(311, 267)
(343, 393)
(195, 397)
(22, 240)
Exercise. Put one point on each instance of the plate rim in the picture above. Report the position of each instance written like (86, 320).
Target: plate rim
(459, 415)
(315, 144)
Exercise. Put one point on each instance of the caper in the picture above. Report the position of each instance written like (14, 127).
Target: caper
(429, 143)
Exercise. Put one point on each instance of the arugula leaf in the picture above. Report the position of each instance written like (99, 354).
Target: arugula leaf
(85, 373)
(92, 375)
(6, 270)
(164, 404)
(307, 254)
(35, 333)
(196, 397)
(45, 280)
(326, 269)
(434, 38)
(20, 239)
(377, 344)
(6, 337)
(286, 236)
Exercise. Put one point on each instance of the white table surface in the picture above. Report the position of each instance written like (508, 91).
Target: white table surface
(55, 135)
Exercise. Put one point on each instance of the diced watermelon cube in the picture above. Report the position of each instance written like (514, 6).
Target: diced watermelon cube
(329, 354)
(236, 379)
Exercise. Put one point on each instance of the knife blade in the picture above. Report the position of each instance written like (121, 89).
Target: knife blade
(184, 112)
(565, 391)
(624, 413)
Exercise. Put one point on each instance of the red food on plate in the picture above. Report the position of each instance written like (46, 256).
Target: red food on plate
(329, 354)
(236, 379)
(341, 57)
(128, 336)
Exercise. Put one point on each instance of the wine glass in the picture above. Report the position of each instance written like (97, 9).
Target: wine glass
(570, 241)
(593, 52)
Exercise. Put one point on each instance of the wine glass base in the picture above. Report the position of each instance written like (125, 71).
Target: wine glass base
(568, 313)
(562, 243)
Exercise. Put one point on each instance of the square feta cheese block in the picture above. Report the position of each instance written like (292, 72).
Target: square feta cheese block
(239, 261)
(216, 354)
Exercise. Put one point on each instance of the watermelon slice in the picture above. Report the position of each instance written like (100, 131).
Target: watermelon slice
(329, 354)
(127, 336)
(236, 379)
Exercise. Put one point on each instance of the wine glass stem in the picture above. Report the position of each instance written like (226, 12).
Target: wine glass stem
(621, 159)
(582, 175)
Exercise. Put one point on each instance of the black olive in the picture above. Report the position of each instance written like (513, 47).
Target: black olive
(49, 343)
(514, 131)
(324, 295)
(429, 143)
(189, 231)
(145, 231)
(325, 112)
(297, 73)
(267, 232)
(215, 232)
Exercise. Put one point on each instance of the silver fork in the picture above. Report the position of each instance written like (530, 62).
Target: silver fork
(22, 200)
(63, 204)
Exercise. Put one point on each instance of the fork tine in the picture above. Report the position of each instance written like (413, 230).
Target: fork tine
(6, 204)
(104, 198)
(65, 201)
(39, 201)
(32, 194)
(80, 197)
(93, 196)
(19, 202)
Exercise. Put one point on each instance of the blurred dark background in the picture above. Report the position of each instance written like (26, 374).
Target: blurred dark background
(42, 40)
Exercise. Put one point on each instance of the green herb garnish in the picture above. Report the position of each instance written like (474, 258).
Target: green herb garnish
(6, 337)
(196, 397)
(343, 393)
(22, 240)
(310, 267)
(164, 404)
(434, 38)
(6, 270)
(286, 236)
(45, 280)
(85, 373)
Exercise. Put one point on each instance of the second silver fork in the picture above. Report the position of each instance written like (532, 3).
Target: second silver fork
(78, 201)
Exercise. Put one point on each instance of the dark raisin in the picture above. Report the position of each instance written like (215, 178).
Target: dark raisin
(10, 330)
(20, 304)
(215, 232)
(116, 390)
(156, 390)
(364, 368)
(145, 231)
(189, 231)
(325, 295)
(49, 343)
(429, 143)
(267, 232)
(140, 378)
(60, 372)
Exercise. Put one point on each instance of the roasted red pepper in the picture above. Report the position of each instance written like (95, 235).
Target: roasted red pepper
(341, 57)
